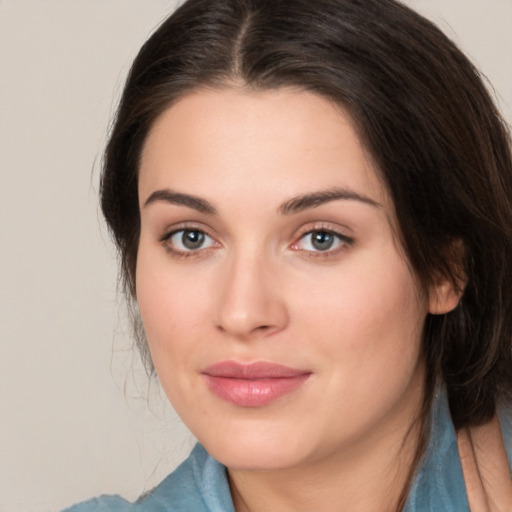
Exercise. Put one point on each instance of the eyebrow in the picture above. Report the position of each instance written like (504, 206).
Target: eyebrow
(313, 200)
(294, 205)
(194, 202)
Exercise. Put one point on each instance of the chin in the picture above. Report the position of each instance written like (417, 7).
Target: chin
(255, 457)
(243, 449)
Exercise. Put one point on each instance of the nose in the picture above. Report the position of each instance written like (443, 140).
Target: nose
(251, 302)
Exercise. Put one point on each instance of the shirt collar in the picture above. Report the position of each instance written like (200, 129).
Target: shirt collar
(439, 482)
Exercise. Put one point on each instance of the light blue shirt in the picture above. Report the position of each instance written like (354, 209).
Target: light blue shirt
(200, 483)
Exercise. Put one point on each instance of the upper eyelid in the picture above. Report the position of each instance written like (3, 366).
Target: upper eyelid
(176, 231)
(342, 231)
(173, 232)
(185, 226)
(341, 236)
(326, 230)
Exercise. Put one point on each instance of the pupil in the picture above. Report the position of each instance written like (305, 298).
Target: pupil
(192, 239)
(322, 240)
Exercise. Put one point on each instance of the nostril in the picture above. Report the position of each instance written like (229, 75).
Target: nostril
(259, 328)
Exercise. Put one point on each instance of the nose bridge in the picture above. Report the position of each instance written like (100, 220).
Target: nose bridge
(250, 302)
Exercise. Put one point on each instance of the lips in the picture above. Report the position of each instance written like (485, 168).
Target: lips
(253, 385)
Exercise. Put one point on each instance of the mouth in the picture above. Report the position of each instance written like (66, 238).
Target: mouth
(254, 384)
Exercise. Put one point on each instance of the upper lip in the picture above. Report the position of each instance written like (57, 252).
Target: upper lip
(252, 371)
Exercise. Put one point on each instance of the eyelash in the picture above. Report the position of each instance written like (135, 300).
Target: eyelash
(343, 242)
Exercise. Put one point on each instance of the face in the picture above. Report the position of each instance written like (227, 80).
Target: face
(283, 321)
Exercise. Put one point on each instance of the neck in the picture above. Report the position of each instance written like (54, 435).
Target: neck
(368, 476)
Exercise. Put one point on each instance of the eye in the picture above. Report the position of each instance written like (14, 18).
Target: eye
(189, 240)
(321, 240)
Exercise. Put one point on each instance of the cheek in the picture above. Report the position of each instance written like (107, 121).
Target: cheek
(170, 305)
(368, 333)
(370, 317)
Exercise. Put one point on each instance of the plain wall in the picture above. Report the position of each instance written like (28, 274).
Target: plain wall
(74, 420)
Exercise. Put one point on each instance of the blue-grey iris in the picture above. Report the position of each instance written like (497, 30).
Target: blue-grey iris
(192, 239)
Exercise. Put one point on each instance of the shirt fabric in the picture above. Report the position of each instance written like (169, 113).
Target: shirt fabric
(200, 483)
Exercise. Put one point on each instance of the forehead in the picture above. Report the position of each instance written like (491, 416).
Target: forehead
(282, 141)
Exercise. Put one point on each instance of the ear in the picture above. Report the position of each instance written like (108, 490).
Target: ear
(445, 292)
(444, 296)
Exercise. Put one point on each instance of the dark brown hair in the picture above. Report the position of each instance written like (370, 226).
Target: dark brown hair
(423, 114)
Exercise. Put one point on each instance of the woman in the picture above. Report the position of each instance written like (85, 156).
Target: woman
(312, 206)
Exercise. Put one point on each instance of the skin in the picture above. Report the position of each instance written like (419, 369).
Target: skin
(259, 290)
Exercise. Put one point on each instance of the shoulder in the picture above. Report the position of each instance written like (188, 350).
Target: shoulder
(102, 504)
(455, 462)
(485, 457)
(196, 483)
(505, 419)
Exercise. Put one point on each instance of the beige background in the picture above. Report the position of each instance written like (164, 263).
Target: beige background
(74, 420)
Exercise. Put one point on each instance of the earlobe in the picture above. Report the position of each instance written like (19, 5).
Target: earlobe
(444, 296)
(446, 290)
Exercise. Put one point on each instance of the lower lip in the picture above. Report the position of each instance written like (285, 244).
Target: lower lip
(256, 392)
